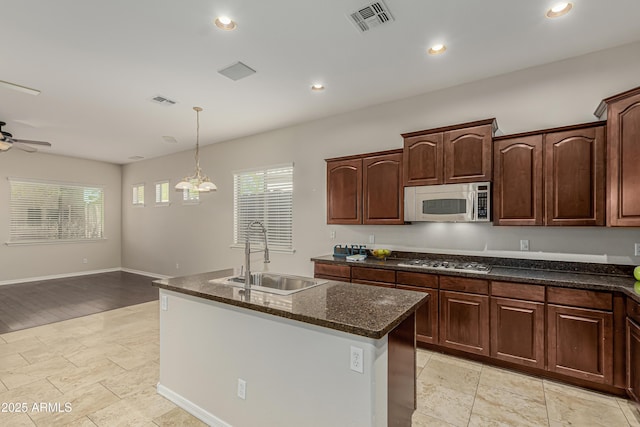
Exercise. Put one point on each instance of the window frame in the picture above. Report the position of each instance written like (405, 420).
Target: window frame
(168, 201)
(135, 190)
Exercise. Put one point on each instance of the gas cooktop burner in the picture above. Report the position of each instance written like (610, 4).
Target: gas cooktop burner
(432, 264)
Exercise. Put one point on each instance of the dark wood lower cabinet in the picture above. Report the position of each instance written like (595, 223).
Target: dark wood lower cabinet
(426, 316)
(401, 394)
(517, 331)
(464, 322)
(580, 343)
(633, 359)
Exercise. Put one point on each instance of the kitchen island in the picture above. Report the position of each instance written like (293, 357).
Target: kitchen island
(232, 357)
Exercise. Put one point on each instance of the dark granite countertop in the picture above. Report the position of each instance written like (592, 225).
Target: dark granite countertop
(369, 311)
(597, 277)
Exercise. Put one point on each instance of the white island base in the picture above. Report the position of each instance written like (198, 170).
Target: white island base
(296, 374)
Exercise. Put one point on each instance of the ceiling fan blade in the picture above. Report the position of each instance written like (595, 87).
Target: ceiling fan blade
(24, 147)
(27, 141)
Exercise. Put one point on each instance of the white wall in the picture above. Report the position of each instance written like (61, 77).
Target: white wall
(198, 237)
(30, 261)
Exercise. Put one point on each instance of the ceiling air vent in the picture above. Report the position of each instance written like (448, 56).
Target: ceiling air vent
(237, 71)
(159, 99)
(371, 16)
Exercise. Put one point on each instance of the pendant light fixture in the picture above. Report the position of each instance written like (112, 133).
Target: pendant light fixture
(198, 181)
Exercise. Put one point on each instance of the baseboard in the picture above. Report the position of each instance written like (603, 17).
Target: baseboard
(190, 407)
(145, 273)
(58, 276)
(81, 273)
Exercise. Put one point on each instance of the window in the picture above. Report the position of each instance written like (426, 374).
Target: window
(190, 196)
(138, 195)
(162, 193)
(49, 211)
(265, 195)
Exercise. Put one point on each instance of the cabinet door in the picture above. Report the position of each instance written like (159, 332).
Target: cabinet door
(633, 359)
(467, 154)
(423, 160)
(623, 123)
(580, 343)
(464, 322)
(574, 177)
(344, 191)
(426, 316)
(517, 331)
(383, 194)
(517, 181)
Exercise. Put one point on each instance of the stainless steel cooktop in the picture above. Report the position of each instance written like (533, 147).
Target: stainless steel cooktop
(431, 264)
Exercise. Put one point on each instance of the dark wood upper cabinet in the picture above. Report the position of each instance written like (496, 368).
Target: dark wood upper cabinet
(517, 183)
(383, 193)
(344, 191)
(365, 189)
(623, 157)
(448, 155)
(568, 190)
(575, 177)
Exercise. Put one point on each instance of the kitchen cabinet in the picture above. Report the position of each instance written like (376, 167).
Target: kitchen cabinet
(633, 350)
(623, 157)
(427, 315)
(365, 189)
(464, 314)
(517, 323)
(328, 271)
(449, 155)
(568, 190)
(580, 334)
(373, 276)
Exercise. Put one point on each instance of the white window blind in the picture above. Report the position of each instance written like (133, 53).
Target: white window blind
(162, 193)
(190, 196)
(138, 194)
(265, 195)
(43, 211)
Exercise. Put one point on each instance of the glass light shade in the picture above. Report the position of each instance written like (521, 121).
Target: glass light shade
(183, 185)
(207, 186)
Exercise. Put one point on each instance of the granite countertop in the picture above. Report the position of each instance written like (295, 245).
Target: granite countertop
(568, 275)
(369, 311)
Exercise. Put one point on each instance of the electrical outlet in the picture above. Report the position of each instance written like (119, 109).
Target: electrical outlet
(164, 302)
(84, 260)
(637, 249)
(332, 234)
(177, 266)
(372, 238)
(356, 362)
(242, 389)
(524, 245)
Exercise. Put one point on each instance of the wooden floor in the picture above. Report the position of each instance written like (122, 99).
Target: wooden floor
(26, 305)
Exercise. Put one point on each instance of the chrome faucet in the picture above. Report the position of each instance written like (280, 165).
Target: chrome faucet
(247, 251)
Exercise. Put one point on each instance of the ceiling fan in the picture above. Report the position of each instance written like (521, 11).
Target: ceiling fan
(7, 141)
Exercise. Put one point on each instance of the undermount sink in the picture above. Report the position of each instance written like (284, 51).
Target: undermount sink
(275, 283)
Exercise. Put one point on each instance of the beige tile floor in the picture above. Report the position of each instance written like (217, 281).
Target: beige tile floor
(105, 366)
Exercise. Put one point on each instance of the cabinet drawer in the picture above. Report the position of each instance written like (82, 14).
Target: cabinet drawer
(476, 286)
(373, 283)
(580, 298)
(633, 310)
(333, 270)
(518, 291)
(373, 274)
(417, 279)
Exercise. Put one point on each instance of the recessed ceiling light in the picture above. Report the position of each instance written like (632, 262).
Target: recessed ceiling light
(225, 23)
(19, 88)
(317, 87)
(559, 9)
(437, 49)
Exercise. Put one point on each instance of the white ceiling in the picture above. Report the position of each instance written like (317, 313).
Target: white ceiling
(99, 62)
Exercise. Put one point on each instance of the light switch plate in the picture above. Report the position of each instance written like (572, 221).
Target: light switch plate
(524, 245)
(637, 249)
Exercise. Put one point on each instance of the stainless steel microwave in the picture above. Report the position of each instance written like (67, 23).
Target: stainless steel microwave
(448, 203)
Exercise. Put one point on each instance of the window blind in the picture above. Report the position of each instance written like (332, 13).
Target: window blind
(138, 194)
(265, 195)
(48, 211)
(162, 193)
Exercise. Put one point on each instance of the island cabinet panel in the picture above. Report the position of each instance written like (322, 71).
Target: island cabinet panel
(449, 155)
(344, 191)
(401, 388)
(332, 272)
(623, 157)
(464, 322)
(383, 193)
(575, 177)
(580, 343)
(467, 154)
(517, 331)
(373, 276)
(633, 359)
(517, 184)
(423, 156)
(426, 315)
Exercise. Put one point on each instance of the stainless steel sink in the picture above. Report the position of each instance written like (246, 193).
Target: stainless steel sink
(275, 283)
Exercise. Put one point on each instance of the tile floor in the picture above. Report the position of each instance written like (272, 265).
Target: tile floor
(106, 367)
